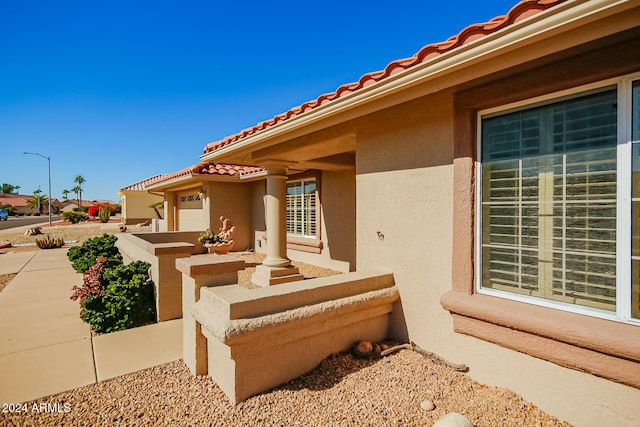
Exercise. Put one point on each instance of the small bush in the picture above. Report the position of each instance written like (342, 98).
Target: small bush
(92, 285)
(49, 242)
(74, 217)
(83, 257)
(104, 214)
(123, 298)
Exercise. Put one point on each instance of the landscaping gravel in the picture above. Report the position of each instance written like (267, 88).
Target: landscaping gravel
(342, 391)
(397, 390)
(5, 279)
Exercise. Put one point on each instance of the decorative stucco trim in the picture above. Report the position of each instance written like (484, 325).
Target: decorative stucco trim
(606, 348)
(604, 336)
(305, 244)
(570, 356)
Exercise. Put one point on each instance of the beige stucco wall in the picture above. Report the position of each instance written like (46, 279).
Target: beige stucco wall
(404, 222)
(233, 201)
(337, 223)
(258, 223)
(135, 206)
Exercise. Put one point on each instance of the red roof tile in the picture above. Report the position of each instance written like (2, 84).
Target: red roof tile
(208, 168)
(520, 11)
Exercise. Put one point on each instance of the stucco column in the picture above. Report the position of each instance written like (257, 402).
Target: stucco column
(276, 267)
(276, 218)
(170, 210)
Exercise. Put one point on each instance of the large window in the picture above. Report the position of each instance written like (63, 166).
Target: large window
(554, 196)
(302, 208)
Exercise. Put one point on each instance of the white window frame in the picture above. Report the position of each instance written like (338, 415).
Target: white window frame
(623, 202)
(303, 181)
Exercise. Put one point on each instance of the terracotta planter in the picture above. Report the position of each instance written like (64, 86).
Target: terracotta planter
(219, 248)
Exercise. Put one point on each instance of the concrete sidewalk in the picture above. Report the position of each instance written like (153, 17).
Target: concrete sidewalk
(45, 348)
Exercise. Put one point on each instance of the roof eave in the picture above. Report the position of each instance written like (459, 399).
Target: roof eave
(540, 26)
(164, 185)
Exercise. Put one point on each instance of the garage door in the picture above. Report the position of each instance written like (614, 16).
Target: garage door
(190, 215)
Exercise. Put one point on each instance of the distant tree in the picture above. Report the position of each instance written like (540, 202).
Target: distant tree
(37, 201)
(11, 210)
(9, 189)
(76, 190)
(79, 179)
(65, 194)
(155, 207)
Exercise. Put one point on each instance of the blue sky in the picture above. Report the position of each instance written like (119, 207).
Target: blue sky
(117, 91)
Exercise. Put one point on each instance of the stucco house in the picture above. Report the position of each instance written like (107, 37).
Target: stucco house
(20, 202)
(136, 201)
(496, 175)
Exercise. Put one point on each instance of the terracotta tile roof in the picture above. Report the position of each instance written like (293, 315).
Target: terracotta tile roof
(209, 168)
(520, 11)
(17, 200)
(141, 185)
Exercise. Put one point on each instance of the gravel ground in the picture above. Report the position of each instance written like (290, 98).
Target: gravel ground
(80, 233)
(342, 391)
(5, 279)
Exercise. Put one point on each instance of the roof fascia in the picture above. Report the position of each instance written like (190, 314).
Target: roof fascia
(186, 181)
(543, 25)
(168, 185)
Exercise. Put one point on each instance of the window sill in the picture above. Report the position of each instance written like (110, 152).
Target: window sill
(304, 244)
(601, 347)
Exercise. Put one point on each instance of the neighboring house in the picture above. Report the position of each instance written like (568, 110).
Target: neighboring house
(495, 174)
(137, 201)
(197, 196)
(21, 201)
(70, 204)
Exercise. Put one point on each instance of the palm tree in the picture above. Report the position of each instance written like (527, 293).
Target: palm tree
(7, 188)
(79, 179)
(65, 194)
(155, 207)
(37, 201)
(76, 190)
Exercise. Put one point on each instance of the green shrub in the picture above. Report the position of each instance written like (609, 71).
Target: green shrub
(74, 217)
(104, 214)
(83, 257)
(128, 300)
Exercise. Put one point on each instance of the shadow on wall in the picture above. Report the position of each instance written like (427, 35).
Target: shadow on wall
(338, 201)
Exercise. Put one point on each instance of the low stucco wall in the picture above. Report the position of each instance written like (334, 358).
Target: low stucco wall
(260, 338)
(172, 237)
(161, 250)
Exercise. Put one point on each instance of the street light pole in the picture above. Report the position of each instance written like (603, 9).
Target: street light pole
(48, 160)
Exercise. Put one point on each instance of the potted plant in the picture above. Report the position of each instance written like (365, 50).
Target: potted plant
(220, 243)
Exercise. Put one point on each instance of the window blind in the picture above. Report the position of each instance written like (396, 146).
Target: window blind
(549, 201)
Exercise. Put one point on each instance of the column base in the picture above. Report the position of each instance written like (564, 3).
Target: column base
(268, 276)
